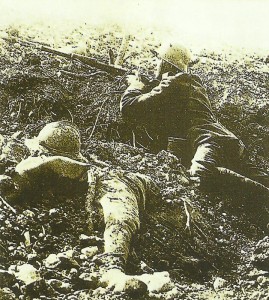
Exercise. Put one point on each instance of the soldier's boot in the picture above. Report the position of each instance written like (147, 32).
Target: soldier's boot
(114, 278)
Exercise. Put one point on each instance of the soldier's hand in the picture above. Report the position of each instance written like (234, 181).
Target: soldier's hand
(167, 80)
(134, 81)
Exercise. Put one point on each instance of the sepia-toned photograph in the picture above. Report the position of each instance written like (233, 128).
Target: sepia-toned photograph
(134, 149)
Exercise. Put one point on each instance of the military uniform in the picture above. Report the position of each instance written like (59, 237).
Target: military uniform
(178, 106)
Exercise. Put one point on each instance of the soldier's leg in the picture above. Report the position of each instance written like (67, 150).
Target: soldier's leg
(122, 197)
(214, 146)
(254, 172)
(204, 161)
(214, 173)
(242, 183)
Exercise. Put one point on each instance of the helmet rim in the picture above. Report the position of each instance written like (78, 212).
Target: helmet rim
(52, 132)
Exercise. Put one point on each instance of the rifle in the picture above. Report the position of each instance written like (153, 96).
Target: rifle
(92, 62)
(111, 69)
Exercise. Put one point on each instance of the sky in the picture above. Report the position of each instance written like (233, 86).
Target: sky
(203, 23)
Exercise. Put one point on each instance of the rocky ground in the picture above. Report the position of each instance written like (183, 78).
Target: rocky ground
(192, 244)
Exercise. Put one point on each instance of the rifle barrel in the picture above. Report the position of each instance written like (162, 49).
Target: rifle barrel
(87, 60)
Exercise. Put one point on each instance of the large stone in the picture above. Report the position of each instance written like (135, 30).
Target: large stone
(52, 261)
(27, 274)
(156, 282)
(61, 260)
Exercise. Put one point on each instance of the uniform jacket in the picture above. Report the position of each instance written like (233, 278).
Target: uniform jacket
(177, 106)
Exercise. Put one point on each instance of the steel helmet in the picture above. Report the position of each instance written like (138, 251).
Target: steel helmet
(61, 138)
(177, 55)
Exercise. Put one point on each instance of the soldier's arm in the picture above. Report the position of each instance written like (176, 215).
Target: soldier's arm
(138, 99)
(59, 165)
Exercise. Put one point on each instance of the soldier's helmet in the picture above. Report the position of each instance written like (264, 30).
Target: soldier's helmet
(177, 55)
(61, 138)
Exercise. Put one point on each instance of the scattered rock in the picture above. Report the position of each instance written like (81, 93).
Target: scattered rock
(53, 211)
(89, 252)
(73, 274)
(66, 254)
(145, 268)
(28, 213)
(67, 262)
(60, 286)
(86, 240)
(52, 261)
(100, 291)
(7, 294)
(260, 257)
(27, 238)
(255, 273)
(135, 287)
(32, 257)
(174, 293)
(219, 283)
(88, 280)
(6, 278)
(263, 281)
(61, 260)
(34, 289)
